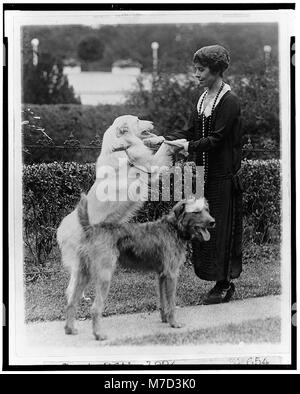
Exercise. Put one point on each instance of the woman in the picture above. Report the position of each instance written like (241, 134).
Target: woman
(213, 137)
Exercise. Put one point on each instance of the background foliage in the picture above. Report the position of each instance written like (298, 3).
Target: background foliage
(51, 191)
(168, 105)
(90, 49)
(177, 42)
(45, 82)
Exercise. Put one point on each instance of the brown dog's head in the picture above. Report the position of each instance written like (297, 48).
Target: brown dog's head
(193, 218)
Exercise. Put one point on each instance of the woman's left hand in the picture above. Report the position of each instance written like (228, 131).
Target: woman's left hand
(181, 143)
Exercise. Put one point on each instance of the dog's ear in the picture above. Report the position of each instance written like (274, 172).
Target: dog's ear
(190, 203)
(122, 129)
(194, 204)
(179, 209)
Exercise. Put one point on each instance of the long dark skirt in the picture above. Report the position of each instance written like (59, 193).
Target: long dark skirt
(221, 257)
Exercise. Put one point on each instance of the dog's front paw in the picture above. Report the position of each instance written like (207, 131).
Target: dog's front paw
(100, 337)
(153, 142)
(70, 331)
(164, 317)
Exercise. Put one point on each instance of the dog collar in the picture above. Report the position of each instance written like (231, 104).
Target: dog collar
(139, 168)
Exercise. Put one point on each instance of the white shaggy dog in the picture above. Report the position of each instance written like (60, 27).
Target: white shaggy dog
(122, 140)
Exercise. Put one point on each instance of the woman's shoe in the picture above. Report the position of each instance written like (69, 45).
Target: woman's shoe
(218, 294)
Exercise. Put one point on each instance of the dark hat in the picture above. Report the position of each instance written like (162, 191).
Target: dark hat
(215, 57)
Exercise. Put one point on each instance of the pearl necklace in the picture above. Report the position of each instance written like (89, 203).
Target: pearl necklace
(201, 112)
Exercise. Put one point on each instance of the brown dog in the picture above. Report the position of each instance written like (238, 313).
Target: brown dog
(158, 246)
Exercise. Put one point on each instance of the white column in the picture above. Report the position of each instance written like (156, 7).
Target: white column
(35, 51)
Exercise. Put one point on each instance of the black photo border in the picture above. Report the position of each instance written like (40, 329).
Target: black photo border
(6, 366)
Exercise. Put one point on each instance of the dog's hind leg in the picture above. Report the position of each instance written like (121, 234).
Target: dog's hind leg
(171, 282)
(163, 298)
(102, 277)
(78, 282)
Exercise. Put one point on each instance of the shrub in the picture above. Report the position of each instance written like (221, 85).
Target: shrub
(89, 50)
(52, 190)
(83, 122)
(261, 200)
(168, 105)
(45, 82)
(259, 94)
(170, 102)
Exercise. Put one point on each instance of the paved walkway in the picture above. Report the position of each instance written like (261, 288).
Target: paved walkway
(50, 335)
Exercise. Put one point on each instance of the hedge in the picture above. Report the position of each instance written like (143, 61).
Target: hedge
(84, 121)
(51, 191)
(168, 105)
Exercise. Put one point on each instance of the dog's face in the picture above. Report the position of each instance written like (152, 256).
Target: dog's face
(127, 133)
(194, 218)
(129, 127)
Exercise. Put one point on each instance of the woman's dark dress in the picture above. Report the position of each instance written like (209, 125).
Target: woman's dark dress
(221, 257)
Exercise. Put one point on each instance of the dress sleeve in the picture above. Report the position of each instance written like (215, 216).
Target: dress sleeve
(225, 118)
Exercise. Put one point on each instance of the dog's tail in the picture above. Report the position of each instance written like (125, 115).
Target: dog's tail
(83, 216)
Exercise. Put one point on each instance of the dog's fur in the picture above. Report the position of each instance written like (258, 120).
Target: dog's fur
(123, 139)
(158, 246)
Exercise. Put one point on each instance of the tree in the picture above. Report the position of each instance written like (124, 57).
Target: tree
(90, 48)
(45, 83)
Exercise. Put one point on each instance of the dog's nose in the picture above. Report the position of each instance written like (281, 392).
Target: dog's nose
(212, 224)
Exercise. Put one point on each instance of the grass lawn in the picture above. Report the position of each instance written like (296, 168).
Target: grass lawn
(133, 291)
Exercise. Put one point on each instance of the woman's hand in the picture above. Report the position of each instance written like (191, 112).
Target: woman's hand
(181, 143)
